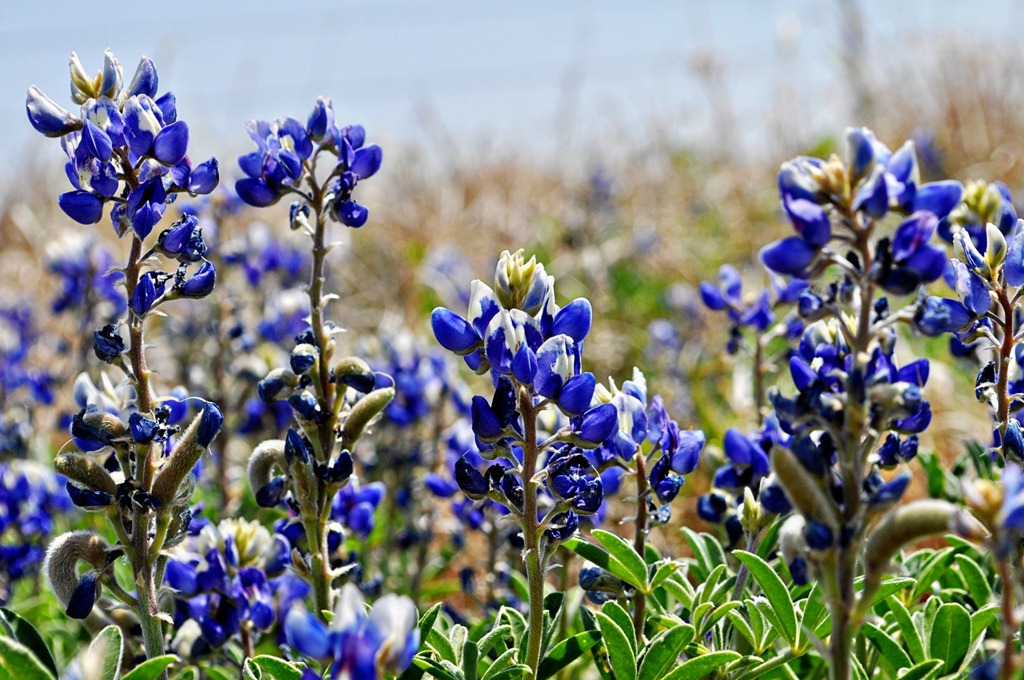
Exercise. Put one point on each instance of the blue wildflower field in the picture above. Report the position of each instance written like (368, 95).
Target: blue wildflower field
(312, 411)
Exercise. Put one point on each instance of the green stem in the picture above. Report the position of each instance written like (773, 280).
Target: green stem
(639, 541)
(531, 533)
(320, 567)
(1008, 623)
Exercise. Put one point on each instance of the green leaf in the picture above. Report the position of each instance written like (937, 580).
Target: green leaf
(104, 654)
(621, 550)
(663, 650)
(948, 642)
(698, 667)
(621, 617)
(888, 588)
(251, 672)
(213, 672)
(662, 572)
(983, 618)
(152, 668)
(503, 662)
(743, 627)
(434, 669)
(14, 626)
(925, 669)
(911, 638)
(974, 579)
(774, 590)
(276, 668)
(603, 559)
(442, 646)
(889, 650)
(617, 642)
(18, 661)
(492, 638)
(932, 569)
(700, 551)
(470, 659)
(428, 619)
(565, 652)
(189, 673)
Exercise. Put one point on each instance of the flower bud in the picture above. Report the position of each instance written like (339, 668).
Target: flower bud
(189, 449)
(63, 556)
(362, 413)
(355, 373)
(912, 522)
(85, 471)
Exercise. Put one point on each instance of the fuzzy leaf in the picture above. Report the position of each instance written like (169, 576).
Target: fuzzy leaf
(948, 642)
(19, 629)
(276, 668)
(617, 642)
(698, 667)
(18, 661)
(622, 551)
(925, 669)
(889, 650)
(151, 668)
(605, 560)
(775, 591)
(104, 655)
(663, 650)
(565, 652)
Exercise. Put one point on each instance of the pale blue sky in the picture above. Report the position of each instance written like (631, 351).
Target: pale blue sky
(528, 73)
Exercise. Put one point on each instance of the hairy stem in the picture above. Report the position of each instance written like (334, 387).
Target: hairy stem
(531, 533)
(639, 541)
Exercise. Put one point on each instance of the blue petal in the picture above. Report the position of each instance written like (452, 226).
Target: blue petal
(486, 425)
(810, 220)
(938, 197)
(47, 116)
(711, 297)
(791, 256)
(1013, 269)
(873, 196)
(83, 207)
(453, 332)
(84, 597)
(576, 394)
(255, 192)
(971, 289)
(306, 634)
(524, 364)
(204, 178)
(181, 577)
(201, 283)
(171, 144)
(574, 320)
(367, 161)
(353, 215)
(209, 424)
(599, 423)
(96, 141)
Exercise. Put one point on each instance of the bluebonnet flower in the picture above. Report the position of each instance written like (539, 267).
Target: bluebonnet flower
(821, 199)
(260, 255)
(223, 576)
(284, 147)
(358, 644)
(120, 130)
